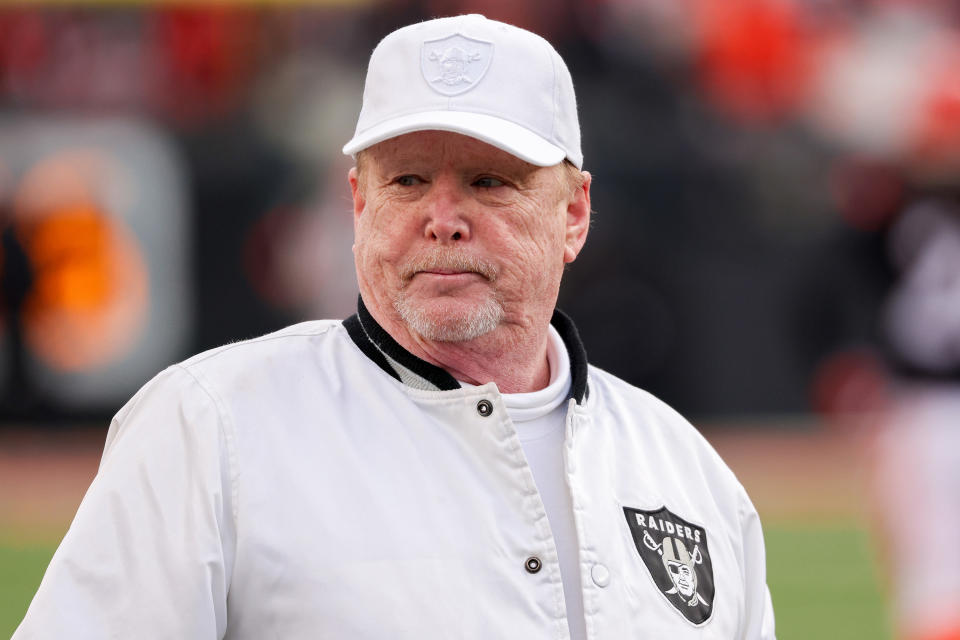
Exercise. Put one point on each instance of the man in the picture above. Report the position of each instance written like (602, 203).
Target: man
(917, 448)
(442, 464)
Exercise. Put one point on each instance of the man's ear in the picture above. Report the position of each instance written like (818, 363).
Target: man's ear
(356, 190)
(578, 220)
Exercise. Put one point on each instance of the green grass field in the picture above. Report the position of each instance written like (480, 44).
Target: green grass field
(824, 583)
(822, 579)
(21, 568)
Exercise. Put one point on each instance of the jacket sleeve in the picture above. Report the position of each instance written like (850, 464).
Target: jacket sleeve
(758, 622)
(150, 551)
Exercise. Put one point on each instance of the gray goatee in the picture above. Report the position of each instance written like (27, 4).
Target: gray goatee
(458, 327)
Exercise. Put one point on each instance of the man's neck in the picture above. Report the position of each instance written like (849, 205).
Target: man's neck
(515, 360)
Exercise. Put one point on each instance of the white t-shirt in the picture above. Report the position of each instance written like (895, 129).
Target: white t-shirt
(540, 419)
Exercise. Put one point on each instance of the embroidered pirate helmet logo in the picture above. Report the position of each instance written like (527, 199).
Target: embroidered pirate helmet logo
(676, 555)
(681, 567)
(454, 64)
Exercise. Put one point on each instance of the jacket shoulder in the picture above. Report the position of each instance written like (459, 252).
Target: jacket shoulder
(614, 393)
(646, 419)
(307, 350)
(237, 364)
(288, 337)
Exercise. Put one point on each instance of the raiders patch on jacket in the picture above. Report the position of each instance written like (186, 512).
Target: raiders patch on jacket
(678, 558)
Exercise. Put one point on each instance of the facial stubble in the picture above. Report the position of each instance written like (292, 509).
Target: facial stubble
(462, 326)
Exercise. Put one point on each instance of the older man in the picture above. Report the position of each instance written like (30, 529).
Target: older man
(444, 463)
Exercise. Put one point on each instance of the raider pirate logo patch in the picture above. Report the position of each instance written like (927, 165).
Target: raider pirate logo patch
(455, 64)
(678, 558)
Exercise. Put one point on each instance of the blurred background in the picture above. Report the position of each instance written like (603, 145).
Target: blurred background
(775, 252)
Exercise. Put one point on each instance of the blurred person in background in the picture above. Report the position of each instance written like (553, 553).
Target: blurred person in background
(918, 470)
(444, 462)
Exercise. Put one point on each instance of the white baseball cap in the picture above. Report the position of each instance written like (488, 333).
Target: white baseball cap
(485, 79)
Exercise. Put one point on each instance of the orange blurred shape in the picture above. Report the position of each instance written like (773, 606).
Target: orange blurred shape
(755, 57)
(70, 251)
(90, 284)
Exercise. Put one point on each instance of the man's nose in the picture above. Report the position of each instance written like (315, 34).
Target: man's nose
(447, 219)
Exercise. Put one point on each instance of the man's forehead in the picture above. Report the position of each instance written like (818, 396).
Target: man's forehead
(444, 147)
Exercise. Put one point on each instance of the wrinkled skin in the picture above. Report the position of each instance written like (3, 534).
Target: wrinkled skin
(450, 229)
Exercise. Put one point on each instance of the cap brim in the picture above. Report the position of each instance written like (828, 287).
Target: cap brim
(503, 134)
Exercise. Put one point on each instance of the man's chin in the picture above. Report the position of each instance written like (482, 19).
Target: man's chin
(449, 319)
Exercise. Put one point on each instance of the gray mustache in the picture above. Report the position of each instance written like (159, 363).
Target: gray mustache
(448, 261)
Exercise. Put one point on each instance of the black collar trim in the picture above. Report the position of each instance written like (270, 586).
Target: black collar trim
(388, 349)
(579, 389)
(399, 363)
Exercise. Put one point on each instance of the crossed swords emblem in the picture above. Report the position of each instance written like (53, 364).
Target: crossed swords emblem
(695, 558)
(453, 65)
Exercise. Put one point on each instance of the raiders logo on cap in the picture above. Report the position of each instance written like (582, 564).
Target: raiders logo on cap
(676, 554)
(454, 64)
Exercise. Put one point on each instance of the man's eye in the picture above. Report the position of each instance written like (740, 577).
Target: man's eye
(407, 181)
(487, 182)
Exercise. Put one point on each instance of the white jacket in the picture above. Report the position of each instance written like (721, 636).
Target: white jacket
(321, 482)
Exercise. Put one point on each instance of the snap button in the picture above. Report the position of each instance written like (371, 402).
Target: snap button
(600, 575)
(484, 408)
(533, 564)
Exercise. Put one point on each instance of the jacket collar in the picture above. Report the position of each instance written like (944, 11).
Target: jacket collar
(396, 361)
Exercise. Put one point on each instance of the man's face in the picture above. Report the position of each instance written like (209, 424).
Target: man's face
(457, 237)
(683, 577)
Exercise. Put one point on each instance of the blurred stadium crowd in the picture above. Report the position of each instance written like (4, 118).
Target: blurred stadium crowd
(170, 180)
